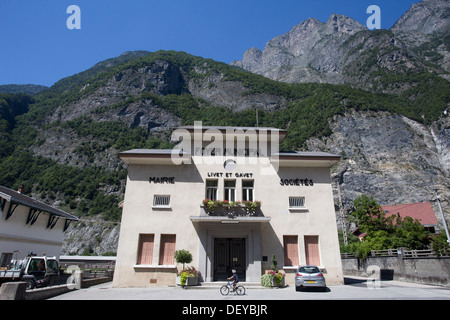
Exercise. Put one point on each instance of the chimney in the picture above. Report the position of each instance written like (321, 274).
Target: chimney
(20, 188)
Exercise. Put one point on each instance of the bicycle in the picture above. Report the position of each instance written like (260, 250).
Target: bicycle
(226, 288)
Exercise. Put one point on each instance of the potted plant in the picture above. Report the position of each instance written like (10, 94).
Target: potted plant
(182, 256)
(266, 280)
(252, 205)
(188, 277)
(277, 277)
(208, 204)
(192, 277)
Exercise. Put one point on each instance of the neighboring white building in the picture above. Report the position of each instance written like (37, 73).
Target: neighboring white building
(164, 210)
(28, 225)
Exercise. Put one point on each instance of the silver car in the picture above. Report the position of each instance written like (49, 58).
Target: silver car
(309, 276)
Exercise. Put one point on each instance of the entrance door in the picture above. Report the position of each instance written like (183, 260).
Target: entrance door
(229, 253)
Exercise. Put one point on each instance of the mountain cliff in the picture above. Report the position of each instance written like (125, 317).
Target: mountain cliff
(342, 51)
(371, 96)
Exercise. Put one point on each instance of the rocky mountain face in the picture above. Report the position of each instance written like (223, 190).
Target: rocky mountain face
(343, 51)
(137, 99)
(425, 18)
(91, 237)
(311, 52)
(424, 29)
(390, 157)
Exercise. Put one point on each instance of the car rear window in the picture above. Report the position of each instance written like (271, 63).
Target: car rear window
(309, 269)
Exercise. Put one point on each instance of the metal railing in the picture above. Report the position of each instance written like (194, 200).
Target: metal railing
(384, 253)
(404, 253)
(235, 211)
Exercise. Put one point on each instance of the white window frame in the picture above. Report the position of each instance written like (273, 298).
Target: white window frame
(245, 191)
(297, 203)
(211, 191)
(161, 201)
(229, 192)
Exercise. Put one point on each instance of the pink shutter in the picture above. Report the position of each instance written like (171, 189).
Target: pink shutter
(312, 250)
(145, 253)
(290, 250)
(167, 249)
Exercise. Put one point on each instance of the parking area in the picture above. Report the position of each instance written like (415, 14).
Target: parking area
(354, 289)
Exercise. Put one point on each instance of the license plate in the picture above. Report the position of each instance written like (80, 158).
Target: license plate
(310, 282)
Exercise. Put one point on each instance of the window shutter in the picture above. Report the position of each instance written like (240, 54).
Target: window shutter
(290, 250)
(312, 250)
(167, 249)
(145, 253)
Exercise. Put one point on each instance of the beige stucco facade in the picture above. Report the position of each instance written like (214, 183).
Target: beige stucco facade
(247, 239)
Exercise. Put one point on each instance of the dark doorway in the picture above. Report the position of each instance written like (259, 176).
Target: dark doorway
(229, 253)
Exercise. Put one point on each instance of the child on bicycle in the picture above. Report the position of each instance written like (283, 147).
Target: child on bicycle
(235, 279)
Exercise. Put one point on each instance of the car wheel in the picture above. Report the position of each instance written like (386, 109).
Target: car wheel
(297, 288)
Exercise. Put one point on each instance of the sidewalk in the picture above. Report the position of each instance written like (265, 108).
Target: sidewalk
(356, 288)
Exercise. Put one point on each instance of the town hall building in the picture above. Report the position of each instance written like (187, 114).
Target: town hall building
(233, 200)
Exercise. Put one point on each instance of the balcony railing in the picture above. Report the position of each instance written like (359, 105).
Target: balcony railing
(231, 210)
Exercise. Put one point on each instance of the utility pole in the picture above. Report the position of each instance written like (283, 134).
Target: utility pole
(438, 200)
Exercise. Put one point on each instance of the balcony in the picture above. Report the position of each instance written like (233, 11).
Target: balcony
(234, 212)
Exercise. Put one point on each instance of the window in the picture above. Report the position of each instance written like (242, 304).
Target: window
(290, 250)
(230, 190)
(145, 250)
(5, 259)
(211, 189)
(167, 249)
(52, 266)
(37, 265)
(247, 190)
(309, 269)
(297, 203)
(161, 201)
(312, 250)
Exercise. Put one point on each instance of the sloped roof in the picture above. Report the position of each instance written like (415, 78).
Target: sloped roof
(421, 211)
(21, 199)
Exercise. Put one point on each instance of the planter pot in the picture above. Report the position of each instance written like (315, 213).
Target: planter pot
(192, 281)
(178, 281)
(275, 284)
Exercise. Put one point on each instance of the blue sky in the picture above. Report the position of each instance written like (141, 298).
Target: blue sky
(37, 47)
